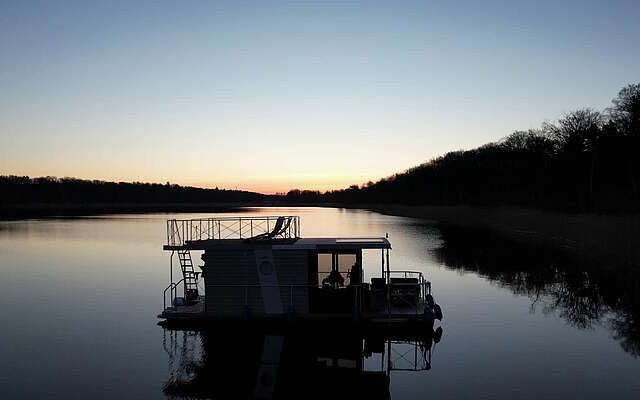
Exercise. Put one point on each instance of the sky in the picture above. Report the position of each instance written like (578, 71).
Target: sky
(271, 96)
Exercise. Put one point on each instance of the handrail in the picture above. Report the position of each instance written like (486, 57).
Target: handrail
(424, 285)
(172, 286)
(291, 287)
(182, 231)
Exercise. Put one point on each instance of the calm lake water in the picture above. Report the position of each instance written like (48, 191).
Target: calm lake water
(79, 299)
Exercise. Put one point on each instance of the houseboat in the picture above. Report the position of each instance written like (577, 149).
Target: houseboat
(260, 269)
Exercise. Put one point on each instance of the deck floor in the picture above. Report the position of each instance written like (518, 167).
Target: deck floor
(196, 308)
(196, 312)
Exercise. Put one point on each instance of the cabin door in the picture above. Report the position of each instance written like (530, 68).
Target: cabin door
(268, 278)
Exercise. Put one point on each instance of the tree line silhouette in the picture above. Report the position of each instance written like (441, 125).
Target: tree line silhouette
(584, 162)
(52, 190)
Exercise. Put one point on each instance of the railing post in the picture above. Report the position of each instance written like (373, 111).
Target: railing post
(382, 262)
(388, 284)
(171, 267)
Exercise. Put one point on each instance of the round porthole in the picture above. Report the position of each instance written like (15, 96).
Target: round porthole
(266, 268)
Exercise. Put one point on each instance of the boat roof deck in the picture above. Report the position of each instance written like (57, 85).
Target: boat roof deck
(346, 243)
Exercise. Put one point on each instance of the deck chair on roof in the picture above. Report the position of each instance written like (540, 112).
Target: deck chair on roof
(280, 227)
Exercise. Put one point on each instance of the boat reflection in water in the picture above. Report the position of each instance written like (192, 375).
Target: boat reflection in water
(242, 362)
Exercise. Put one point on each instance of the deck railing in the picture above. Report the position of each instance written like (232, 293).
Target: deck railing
(396, 302)
(425, 285)
(182, 231)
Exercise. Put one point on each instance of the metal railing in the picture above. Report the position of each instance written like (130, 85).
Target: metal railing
(424, 285)
(173, 287)
(291, 289)
(173, 293)
(182, 231)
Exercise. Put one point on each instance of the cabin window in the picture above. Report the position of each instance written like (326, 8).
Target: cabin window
(343, 264)
(325, 263)
(346, 263)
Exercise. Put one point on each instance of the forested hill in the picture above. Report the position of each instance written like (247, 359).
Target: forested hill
(23, 190)
(587, 161)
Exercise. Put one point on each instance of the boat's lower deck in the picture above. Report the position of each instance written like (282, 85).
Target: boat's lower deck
(194, 315)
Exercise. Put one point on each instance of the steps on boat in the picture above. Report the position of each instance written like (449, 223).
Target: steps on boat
(190, 276)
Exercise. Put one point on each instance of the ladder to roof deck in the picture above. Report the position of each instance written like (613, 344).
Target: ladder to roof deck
(190, 276)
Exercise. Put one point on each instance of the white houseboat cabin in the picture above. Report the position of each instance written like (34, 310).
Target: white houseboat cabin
(259, 268)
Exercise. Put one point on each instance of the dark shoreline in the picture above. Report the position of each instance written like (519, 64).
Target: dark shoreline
(26, 211)
(591, 237)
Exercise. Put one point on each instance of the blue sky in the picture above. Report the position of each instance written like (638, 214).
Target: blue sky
(270, 96)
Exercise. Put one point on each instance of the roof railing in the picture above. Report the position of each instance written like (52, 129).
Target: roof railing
(182, 231)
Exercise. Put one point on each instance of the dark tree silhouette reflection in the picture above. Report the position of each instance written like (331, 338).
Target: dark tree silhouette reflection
(583, 294)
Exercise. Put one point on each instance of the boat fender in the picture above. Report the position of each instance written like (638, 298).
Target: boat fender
(437, 335)
(178, 301)
(437, 312)
(429, 300)
(428, 315)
